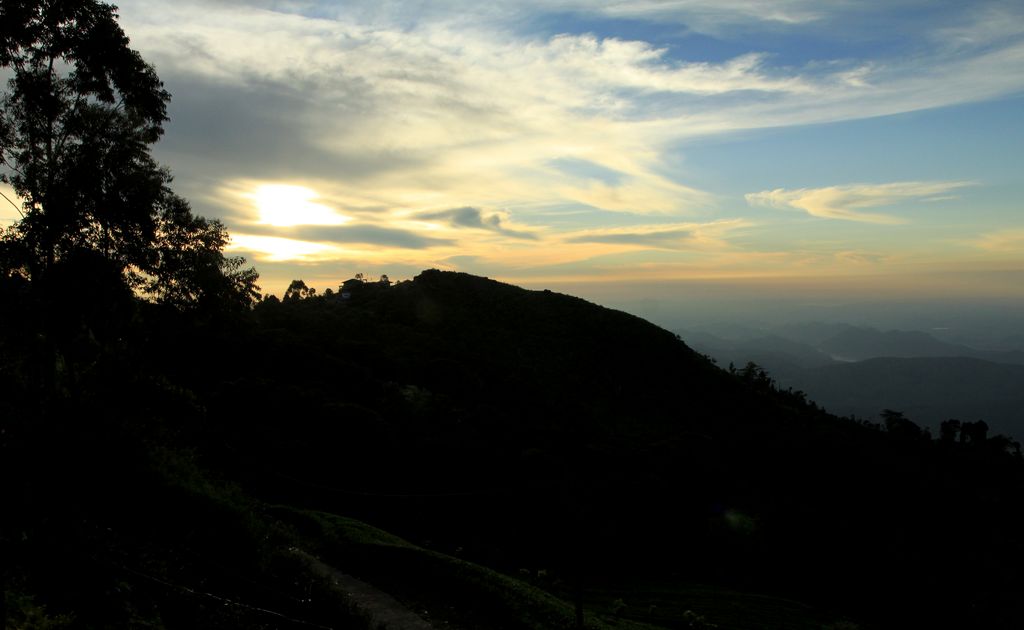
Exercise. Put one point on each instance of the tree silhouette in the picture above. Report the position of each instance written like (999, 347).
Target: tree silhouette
(76, 124)
(974, 432)
(188, 268)
(298, 290)
(949, 430)
(76, 142)
(899, 425)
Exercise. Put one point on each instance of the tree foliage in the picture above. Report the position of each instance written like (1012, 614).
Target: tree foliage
(188, 266)
(77, 121)
(298, 290)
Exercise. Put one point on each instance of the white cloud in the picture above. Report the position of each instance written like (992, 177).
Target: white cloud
(478, 111)
(449, 84)
(848, 202)
(391, 110)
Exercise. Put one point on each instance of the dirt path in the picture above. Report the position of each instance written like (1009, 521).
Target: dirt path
(383, 610)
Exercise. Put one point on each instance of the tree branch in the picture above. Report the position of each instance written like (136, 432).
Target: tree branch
(3, 160)
(13, 204)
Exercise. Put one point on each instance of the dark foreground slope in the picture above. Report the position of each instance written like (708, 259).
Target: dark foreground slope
(531, 431)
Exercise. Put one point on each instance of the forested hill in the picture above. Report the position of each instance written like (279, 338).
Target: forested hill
(525, 431)
(178, 452)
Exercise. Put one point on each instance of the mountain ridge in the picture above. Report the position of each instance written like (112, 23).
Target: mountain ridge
(512, 428)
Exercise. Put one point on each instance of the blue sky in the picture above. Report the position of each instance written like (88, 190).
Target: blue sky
(612, 142)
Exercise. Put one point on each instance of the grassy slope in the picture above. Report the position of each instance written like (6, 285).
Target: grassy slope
(467, 595)
(670, 603)
(460, 593)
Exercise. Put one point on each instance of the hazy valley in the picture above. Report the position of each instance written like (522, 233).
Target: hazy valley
(852, 370)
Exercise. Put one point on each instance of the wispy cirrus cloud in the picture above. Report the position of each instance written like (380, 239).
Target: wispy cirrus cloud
(849, 202)
(475, 218)
(695, 15)
(710, 235)
(724, 12)
(365, 234)
(672, 238)
(581, 121)
(1007, 240)
(430, 110)
(861, 257)
(990, 23)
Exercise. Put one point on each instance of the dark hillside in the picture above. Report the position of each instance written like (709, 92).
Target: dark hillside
(524, 431)
(531, 428)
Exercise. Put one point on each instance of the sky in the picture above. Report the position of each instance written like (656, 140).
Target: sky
(620, 149)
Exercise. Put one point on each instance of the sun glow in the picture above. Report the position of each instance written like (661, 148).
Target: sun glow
(277, 249)
(10, 206)
(284, 205)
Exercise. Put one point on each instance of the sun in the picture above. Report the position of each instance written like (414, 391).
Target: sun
(286, 205)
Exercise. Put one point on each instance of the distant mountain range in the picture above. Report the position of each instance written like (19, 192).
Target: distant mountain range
(853, 370)
(927, 389)
(858, 344)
